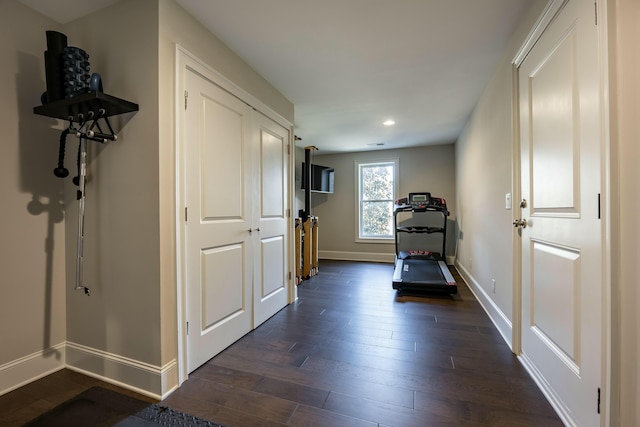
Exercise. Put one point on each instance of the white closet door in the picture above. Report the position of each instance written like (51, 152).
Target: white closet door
(219, 247)
(271, 165)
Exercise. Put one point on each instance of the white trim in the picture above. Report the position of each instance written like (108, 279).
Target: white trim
(396, 174)
(29, 368)
(144, 378)
(496, 315)
(180, 203)
(546, 17)
(516, 213)
(356, 256)
(607, 385)
(366, 256)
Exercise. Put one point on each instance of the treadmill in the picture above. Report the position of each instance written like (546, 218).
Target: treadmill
(416, 268)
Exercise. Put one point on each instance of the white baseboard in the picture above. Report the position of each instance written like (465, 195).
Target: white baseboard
(497, 316)
(24, 370)
(356, 256)
(154, 381)
(366, 256)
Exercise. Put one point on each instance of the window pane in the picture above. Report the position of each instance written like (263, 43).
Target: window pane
(377, 219)
(377, 182)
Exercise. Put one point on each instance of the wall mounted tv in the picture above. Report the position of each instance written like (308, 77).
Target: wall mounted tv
(321, 178)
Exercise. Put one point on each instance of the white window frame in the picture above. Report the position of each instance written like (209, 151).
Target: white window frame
(359, 164)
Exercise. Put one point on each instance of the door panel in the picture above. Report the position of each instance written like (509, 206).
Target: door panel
(553, 308)
(273, 280)
(554, 108)
(221, 298)
(271, 265)
(562, 244)
(218, 247)
(221, 161)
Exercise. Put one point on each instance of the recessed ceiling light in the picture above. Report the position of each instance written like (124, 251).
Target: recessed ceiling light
(388, 123)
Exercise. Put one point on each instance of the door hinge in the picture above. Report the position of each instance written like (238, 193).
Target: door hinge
(185, 214)
(598, 205)
(186, 96)
(595, 7)
(288, 149)
(289, 275)
(598, 399)
(187, 328)
(288, 213)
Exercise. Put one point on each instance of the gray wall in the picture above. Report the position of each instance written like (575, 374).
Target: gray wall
(484, 175)
(126, 330)
(32, 284)
(624, 34)
(429, 168)
(121, 254)
(484, 159)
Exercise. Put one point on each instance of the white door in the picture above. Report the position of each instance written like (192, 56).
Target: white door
(219, 252)
(562, 287)
(270, 291)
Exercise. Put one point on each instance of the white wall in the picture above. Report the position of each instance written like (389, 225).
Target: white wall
(32, 284)
(484, 159)
(429, 168)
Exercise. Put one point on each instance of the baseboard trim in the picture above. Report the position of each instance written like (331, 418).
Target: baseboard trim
(27, 369)
(154, 381)
(356, 256)
(497, 316)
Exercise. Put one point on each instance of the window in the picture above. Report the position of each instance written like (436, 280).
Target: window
(376, 191)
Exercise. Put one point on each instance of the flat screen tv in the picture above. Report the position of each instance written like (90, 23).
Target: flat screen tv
(321, 178)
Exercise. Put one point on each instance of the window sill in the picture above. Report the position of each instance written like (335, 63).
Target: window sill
(378, 240)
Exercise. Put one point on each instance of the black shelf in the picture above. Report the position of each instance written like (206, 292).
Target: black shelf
(71, 108)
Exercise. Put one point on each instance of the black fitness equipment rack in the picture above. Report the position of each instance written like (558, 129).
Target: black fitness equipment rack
(422, 270)
(74, 96)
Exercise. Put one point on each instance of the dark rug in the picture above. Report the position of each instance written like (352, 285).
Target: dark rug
(101, 407)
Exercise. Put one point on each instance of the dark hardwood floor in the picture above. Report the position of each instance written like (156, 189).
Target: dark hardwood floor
(349, 352)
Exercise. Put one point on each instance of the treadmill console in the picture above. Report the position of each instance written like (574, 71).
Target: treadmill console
(419, 200)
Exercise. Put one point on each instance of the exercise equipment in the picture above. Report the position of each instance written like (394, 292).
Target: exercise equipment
(417, 268)
(77, 97)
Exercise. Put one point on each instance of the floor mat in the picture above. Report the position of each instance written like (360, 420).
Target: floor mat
(101, 407)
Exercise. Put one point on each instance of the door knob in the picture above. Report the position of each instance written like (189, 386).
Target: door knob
(522, 223)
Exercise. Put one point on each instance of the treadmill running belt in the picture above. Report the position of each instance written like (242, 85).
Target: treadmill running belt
(419, 271)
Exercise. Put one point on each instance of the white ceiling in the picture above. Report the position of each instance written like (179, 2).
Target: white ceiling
(348, 65)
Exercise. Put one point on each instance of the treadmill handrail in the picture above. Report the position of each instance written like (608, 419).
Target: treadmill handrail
(437, 205)
(424, 208)
(419, 229)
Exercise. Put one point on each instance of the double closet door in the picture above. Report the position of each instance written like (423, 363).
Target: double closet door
(236, 166)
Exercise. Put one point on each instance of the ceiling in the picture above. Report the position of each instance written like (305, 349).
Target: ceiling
(349, 65)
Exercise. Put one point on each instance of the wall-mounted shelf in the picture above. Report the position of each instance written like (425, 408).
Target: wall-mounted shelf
(86, 110)
(71, 108)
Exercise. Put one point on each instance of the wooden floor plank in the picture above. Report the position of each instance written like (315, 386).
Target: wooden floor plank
(349, 352)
